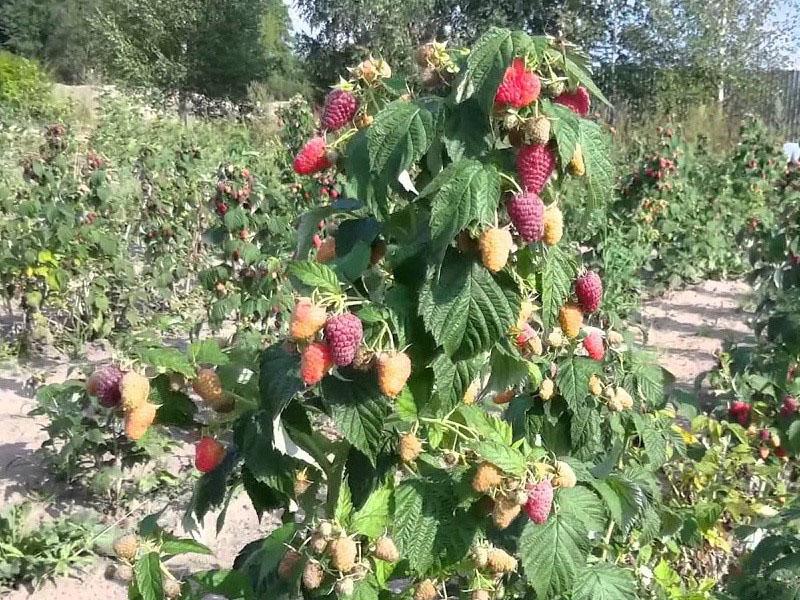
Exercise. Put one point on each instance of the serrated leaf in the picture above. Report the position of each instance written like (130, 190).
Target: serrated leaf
(506, 371)
(489, 427)
(565, 127)
(149, 580)
(366, 589)
(585, 435)
(278, 380)
(603, 581)
(414, 528)
(207, 352)
(581, 76)
(599, 168)
(573, 379)
(502, 456)
(465, 192)
(452, 380)
(372, 518)
(315, 275)
(586, 505)
(554, 553)
(465, 310)
(632, 499)
(168, 359)
(557, 276)
(344, 505)
(654, 439)
(467, 133)
(173, 546)
(358, 409)
(489, 58)
(399, 136)
(174, 408)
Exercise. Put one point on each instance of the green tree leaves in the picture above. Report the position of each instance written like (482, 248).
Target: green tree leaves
(465, 309)
(463, 193)
(400, 135)
(604, 582)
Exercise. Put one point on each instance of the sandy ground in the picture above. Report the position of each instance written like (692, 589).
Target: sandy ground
(686, 327)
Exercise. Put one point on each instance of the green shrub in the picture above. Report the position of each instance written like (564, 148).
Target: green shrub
(24, 87)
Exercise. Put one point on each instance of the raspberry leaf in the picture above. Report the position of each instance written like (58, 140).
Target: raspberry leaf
(465, 192)
(558, 273)
(504, 457)
(467, 133)
(367, 589)
(207, 352)
(315, 275)
(506, 370)
(565, 130)
(415, 527)
(452, 380)
(400, 136)
(599, 169)
(372, 518)
(585, 435)
(573, 379)
(586, 506)
(552, 554)
(175, 408)
(465, 309)
(343, 511)
(148, 577)
(603, 581)
(579, 74)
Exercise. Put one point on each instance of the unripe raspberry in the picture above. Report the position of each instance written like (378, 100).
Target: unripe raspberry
(519, 88)
(556, 339)
(103, 384)
(595, 385)
(505, 397)
(126, 547)
(472, 393)
(538, 130)
(318, 543)
(540, 501)
(576, 166)
(394, 369)
(526, 309)
(343, 552)
(340, 108)
(565, 476)
(312, 157)
(386, 550)
(487, 477)
(301, 483)
(208, 386)
(546, 389)
(615, 403)
(364, 120)
(364, 360)
(426, 590)
(409, 447)
(495, 246)
(553, 225)
(480, 555)
(313, 574)
(307, 319)
(775, 440)
(535, 165)
(138, 420)
(327, 250)
(571, 320)
(578, 101)
(134, 390)
(589, 290)
(526, 212)
(505, 510)
(501, 561)
(556, 87)
(325, 529)
(343, 333)
(345, 587)
(172, 588)
(614, 338)
(624, 399)
(208, 454)
(789, 406)
(593, 343)
(288, 564)
(480, 595)
(315, 362)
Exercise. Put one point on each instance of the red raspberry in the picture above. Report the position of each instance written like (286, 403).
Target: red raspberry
(312, 157)
(540, 500)
(527, 214)
(103, 384)
(208, 453)
(524, 336)
(519, 88)
(340, 108)
(315, 362)
(316, 241)
(594, 345)
(589, 290)
(535, 164)
(343, 333)
(577, 101)
(222, 208)
(740, 411)
(789, 406)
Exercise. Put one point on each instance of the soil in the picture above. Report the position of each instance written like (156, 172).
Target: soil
(687, 328)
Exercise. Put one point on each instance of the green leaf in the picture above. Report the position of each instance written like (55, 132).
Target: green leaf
(585, 435)
(372, 518)
(467, 133)
(465, 192)
(169, 359)
(631, 497)
(344, 505)
(599, 168)
(207, 352)
(603, 581)
(586, 505)
(399, 136)
(415, 526)
(175, 408)
(278, 381)
(452, 380)
(366, 589)
(582, 77)
(315, 275)
(466, 310)
(502, 456)
(147, 573)
(490, 57)
(358, 409)
(557, 276)
(565, 129)
(173, 546)
(553, 554)
(573, 379)
(506, 370)
(654, 439)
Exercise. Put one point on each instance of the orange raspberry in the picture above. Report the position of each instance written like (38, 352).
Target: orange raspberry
(495, 246)
(409, 447)
(343, 552)
(565, 476)
(327, 251)
(553, 225)
(570, 318)
(576, 166)
(487, 476)
(307, 319)
(138, 420)
(394, 369)
(315, 362)
(385, 549)
(505, 510)
(426, 590)
(126, 546)
(501, 561)
(134, 390)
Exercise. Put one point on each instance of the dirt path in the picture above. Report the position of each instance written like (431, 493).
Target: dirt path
(688, 327)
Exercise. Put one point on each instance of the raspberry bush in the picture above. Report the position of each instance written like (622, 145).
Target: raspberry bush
(446, 415)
